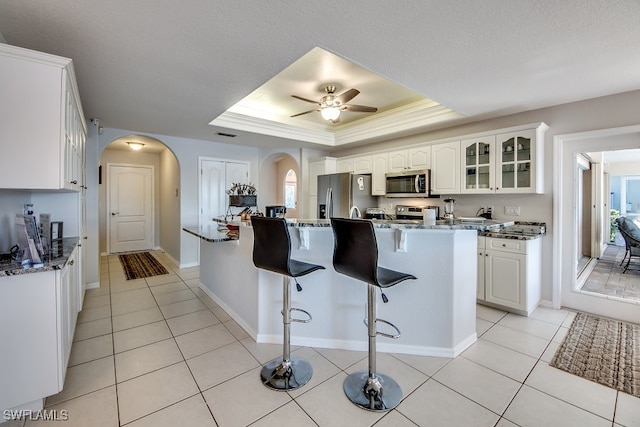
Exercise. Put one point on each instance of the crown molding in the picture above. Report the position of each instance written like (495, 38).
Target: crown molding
(415, 115)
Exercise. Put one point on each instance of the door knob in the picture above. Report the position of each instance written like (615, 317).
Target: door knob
(114, 213)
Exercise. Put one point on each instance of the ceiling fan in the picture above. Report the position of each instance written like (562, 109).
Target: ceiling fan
(331, 105)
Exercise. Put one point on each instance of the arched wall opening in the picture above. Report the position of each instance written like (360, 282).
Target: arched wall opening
(156, 155)
(273, 179)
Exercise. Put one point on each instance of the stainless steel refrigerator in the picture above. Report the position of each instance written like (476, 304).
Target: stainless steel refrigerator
(339, 192)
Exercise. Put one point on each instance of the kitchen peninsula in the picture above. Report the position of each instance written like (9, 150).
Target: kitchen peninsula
(436, 313)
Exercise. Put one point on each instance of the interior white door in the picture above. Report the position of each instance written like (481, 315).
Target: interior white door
(212, 191)
(216, 177)
(130, 210)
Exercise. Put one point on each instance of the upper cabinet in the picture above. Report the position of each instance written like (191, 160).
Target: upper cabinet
(519, 162)
(445, 168)
(42, 127)
(509, 162)
(379, 169)
(360, 164)
(478, 164)
(410, 159)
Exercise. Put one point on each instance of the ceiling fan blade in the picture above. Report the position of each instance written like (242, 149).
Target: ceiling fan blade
(304, 112)
(360, 108)
(305, 99)
(347, 96)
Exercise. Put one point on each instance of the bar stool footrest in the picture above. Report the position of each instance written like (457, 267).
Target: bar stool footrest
(389, 395)
(282, 376)
(384, 334)
(301, 311)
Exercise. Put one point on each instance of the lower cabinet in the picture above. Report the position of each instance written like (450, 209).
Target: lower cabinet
(509, 273)
(38, 313)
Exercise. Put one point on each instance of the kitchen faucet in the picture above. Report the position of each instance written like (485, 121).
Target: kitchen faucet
(354, 210)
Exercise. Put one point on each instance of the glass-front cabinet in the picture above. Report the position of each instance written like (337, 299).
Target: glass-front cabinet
(516, 164)
(478, 165)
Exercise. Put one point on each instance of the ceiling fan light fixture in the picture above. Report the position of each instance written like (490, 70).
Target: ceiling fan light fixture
(135, 146)
(330, 113)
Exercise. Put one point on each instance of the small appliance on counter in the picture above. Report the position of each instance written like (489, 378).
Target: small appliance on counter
(449, 207)
(276, 211)
(374, 213)
(415, 212)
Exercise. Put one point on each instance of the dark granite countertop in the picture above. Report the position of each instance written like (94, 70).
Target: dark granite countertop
(213, 233)
(60, 253)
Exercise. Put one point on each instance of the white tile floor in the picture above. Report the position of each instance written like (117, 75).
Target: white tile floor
(160, 352)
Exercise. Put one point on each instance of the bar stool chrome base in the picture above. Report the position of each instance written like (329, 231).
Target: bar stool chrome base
(290, 375)
(378, 394)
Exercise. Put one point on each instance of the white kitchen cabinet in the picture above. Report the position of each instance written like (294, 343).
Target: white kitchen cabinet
(512, 274)
(519, 161)
(321, 166)
(360, 164)
(478, 165)
(397, 161)
(42, 122)
(480, 285)
(40, 311)
(378, 174)
(419, 157)
(445, 168)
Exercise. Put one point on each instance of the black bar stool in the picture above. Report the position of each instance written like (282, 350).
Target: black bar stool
(272, 251)
(355, 254)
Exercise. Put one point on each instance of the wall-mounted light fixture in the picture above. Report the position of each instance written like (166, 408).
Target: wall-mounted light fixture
(135, 146)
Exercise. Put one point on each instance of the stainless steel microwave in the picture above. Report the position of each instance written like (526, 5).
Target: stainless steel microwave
(408, 183)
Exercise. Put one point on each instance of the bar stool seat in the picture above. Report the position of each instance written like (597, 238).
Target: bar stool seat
(355, 255)
(272, 252)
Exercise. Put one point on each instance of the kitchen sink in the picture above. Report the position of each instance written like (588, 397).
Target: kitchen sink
(520, 230)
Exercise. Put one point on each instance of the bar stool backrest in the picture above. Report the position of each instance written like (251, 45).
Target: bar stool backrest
(271, 244)
(355, 251)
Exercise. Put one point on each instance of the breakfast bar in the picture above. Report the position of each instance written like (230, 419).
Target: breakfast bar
(436, 313)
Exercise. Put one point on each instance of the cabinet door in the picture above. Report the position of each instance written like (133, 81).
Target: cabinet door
(481, 260)
(516, 163)
(345, 165)
(505, 279)
(478, 165)
(379, 169)
(398, 161)
(420, 157)
(445, 168)
(362, 164)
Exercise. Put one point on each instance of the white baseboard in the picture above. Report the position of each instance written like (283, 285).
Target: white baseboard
(94, 285)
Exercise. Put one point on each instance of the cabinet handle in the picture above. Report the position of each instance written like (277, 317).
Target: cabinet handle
(74, 182)
(486, 254)
(504, 245)
(72, 262)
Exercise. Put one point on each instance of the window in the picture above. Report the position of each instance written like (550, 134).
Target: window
(290, 189)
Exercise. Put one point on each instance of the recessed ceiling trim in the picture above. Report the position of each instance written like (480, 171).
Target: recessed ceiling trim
(415, 115)
(257, 125)
(395, 123)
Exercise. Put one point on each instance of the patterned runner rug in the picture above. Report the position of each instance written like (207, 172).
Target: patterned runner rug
(141, 264)
(602, 350)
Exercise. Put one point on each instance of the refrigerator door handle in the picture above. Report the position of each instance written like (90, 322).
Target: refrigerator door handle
(328, 203)
(417, 183)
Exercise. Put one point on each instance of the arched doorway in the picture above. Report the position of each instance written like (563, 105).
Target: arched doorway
(138, 196)
(280, 183)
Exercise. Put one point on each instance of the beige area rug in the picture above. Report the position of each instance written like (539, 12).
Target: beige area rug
(140, 265)
(602, 350)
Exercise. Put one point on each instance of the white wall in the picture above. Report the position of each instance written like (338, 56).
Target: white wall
(11, 203)
(169, 204)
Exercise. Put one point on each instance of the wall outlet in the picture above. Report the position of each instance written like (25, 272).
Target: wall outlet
(512, 210)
